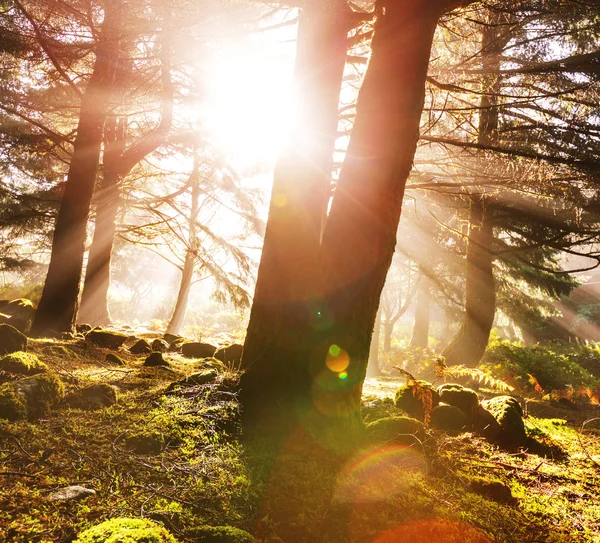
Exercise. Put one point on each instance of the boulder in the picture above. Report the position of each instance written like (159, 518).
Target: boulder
(130, 530)
(31, 397)
(160, 346)
(509, 415)
(70, 493)
(141, 346)
(449, 419)
(401, 430)
(18, 313)
(415, 398)
(112, 358)
(22, 363)
(11, 340)
(195, 379)
(221, 534)
(459, 396)
(198, 350)
(156, 359)
(92, 397)
(231, 355)
(485, 424)
(106, 338)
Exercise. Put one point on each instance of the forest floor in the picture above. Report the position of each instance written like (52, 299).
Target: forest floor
(177, 458)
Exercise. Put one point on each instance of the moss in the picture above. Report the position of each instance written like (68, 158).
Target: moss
(416, 398)
(12, 406)
(93, 397)
(42, 392)
(126, 530)
(104, 338)
(146, 442)
(222, 534)
(402, 430)
(449, 419)
(459, 396)
(508, 413)
(112, 358)
(22, 363)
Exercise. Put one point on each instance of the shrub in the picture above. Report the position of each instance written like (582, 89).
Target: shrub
(553, 367)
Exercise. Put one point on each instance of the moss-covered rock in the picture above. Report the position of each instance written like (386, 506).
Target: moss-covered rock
(160, 345)
(41, 392)
(12, 406)
(230, 354)
(92, 397)
(22, 363)
(459, 396)
(141, 346)
(18, 313)
(106, 338)
(156, 359)
(402, 430)
(509, 415)
(485, 424)
(449, 419)
(195, 379)
(126, 530)
(11, 340)
(198, 350)
(416, 398)
(221, 534)
(112, 358)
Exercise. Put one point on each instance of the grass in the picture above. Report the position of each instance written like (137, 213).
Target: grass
(199, 473)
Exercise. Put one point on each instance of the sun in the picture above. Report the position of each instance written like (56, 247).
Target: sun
(248, 104)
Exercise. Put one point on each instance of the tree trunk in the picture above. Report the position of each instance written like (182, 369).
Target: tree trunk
(360, 235)
(373, 369)
(187, 273)
(274, 348)
(470, 342)
(58, 304)
(94, 298)
(420, 335)
(388, 330)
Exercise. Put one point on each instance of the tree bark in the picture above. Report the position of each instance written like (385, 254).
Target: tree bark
(420, 334)
(94, 298)
(373, 369)
(470, 342)
(58, 304)
(187, 274)
(274, 350)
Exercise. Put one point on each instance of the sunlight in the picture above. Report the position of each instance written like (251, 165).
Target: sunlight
(248, 102)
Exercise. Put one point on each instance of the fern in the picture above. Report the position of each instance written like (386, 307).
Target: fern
(477, 375)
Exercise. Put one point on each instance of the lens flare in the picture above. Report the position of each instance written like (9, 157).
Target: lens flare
(337, 359)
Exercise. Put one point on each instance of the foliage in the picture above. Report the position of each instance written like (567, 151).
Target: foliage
(416, 398)
(554, 367)
(126, 530)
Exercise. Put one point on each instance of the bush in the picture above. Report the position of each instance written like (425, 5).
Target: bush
(126, 530)
(554, 367)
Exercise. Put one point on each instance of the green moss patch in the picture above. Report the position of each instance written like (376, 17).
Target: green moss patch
(459, 396)
(12, 406)
(402, 430)
(22, 363)
(449, 419)
(126, 530)
(416, 398)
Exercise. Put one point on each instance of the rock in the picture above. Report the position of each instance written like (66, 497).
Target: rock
(145, 443)
(175, 345)
(414, 398)
(105, 338)
(70, 493)
(231, 355)
(509, 415)
(83, 328)
(401, 430)
(221, 534)
(22, 363)
(159, 345)
(170, 338)
(11, 340)
(156, 359)
(494, 490)
(198, 350)
(459, 396)
(92, 397)
(31, 397)
(449, 419)
(18, 313)
(195, 379)
(129, 530)
(114, 359)
(141, 346)
(485, 424)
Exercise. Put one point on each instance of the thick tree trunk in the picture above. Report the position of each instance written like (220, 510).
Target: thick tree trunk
(187, 273)
(470, 342)
(420, 334)
(388, 330)
(373, 369)
(58, 304)
(360, 235)
(274, 346)
(94, 298)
